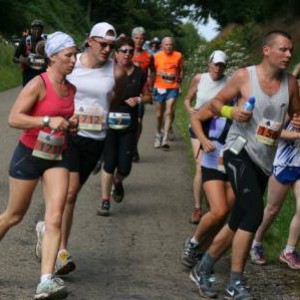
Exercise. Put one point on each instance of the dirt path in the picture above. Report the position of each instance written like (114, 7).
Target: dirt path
(134, 254)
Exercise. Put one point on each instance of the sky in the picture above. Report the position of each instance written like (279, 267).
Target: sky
(209, 30)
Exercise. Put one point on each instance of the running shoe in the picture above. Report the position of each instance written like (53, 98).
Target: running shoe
(292, 259)
(203, 283)
(257, 255)
(40, 229)
(196, 216)
(53, 288)
(104, 208)
(157, 141)
(238, 291)
(189, 254)
(118, 192)
(64, 263)
(165, 143)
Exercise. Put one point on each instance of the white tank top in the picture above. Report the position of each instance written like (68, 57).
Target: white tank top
(208, 88)
(93, 94)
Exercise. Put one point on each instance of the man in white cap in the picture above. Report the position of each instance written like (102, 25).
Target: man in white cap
(99, 82)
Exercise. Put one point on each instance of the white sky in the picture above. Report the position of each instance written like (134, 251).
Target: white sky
(209, 30)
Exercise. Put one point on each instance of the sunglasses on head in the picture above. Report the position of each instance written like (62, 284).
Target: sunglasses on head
(104, 45)
(125, 51)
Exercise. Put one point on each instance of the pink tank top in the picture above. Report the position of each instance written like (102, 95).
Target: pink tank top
(51, 105)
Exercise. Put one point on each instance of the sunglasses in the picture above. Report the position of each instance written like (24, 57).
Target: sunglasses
(125, 51)
(104, 45)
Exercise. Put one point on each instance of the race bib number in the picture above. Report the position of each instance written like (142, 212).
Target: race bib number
(90, 118)
(119, 120)
(48, 146)
(268, 132)
(168, 77)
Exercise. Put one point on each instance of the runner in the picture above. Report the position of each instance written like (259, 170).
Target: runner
(169, 72)
(203, 87)
(123, 122)
(251, 149)
(143, 60)
(97, 79)
(43, 109)
(25, 53)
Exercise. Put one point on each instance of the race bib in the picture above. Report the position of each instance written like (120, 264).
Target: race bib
(119, 120)
(36, 62)
(90, 118)
(168, 77)
(48, 146)
(268, 132)
(161, 91)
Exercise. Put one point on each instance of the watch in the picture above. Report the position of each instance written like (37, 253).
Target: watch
(46, 121)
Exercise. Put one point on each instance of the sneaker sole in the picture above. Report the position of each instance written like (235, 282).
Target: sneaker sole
(68, 268)
(103, 213)
(61, 294)
(283, 260)
(117, 199)
(200, 291)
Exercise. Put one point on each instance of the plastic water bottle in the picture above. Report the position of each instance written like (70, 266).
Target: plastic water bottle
(249, 105)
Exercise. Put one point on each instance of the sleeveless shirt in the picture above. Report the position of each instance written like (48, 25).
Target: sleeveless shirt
(261, 154)
(51, 105)
(94, 92)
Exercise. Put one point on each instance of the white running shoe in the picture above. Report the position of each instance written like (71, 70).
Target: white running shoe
(53, 288)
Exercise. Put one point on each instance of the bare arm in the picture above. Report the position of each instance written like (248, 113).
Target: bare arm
(191, 94)
(19, 116)
(294, 102)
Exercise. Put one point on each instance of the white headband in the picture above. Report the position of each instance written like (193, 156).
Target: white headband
(58, 41)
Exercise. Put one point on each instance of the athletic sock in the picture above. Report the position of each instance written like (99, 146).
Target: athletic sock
(45, 277)
(288, 249)
(255, 243)
(235, 276)
(194, 241)
(207, 264)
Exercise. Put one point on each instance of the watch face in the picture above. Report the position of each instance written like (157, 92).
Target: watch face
(46, 120)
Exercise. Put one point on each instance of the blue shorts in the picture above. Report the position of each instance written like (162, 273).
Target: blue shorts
(286, 175)
(166, 95)
(25, 166)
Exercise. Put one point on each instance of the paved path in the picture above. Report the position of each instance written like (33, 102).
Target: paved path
(134, 253)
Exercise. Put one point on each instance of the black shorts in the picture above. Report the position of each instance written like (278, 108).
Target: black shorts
(25, 166)
(192, 133)
(83, 154)
(212, 174)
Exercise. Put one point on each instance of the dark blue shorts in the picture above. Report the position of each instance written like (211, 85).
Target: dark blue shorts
(286, 175)
(25, 166)
(168, 94)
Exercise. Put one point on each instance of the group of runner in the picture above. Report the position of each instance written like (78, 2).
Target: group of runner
(102, 99)
(82, 108)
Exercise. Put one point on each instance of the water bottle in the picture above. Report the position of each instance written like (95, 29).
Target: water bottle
(249, 105)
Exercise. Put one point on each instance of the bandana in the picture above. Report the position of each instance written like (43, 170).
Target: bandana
(58, 41)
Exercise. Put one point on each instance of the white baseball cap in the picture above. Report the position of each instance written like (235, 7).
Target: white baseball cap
(101, 30)
(218, 56)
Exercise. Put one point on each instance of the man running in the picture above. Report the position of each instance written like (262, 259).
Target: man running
(168, 69)
(249, 165)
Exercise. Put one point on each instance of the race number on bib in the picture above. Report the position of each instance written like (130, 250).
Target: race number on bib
(268, 132)
(48, 146)
(90, 118)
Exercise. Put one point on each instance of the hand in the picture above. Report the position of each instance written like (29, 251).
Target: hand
(73, 124)
(59, 123)
(133, 101)
(208, 145)
(24, 60)
(241, 115)
(296, 122)
(192, 110)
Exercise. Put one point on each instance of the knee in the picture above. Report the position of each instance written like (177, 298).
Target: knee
(71, 196)
(14, 219)
(53, 221)
(273, 210)
(219, 215)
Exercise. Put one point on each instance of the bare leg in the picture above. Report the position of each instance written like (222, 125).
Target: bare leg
(159, 108)
(169, 116)
(106, 184)
(55, 185)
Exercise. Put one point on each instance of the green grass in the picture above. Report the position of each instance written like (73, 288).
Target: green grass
(10, 73)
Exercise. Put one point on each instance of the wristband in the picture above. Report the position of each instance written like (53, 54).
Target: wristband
(226, 111)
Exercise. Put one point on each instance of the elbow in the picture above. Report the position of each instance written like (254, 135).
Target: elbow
(12, 121)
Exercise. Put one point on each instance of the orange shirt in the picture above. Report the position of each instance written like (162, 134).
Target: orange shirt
(142, 60)
(168, 68)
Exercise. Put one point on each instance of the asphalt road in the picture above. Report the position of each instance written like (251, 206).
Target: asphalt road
(134, 253)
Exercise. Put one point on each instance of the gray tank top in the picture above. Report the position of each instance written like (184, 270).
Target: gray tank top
(261, 153)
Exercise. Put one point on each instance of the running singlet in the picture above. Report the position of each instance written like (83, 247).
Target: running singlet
(287, 154)
(260, 153)
(217, 132)
(94, 88)
(168, 68)
(52, 105)
(142, 60)
(208, 88)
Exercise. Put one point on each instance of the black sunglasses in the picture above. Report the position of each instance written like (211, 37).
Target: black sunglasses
(125, 51)
(104, 45)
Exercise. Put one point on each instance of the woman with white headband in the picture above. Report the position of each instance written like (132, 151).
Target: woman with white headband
(43, 110)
